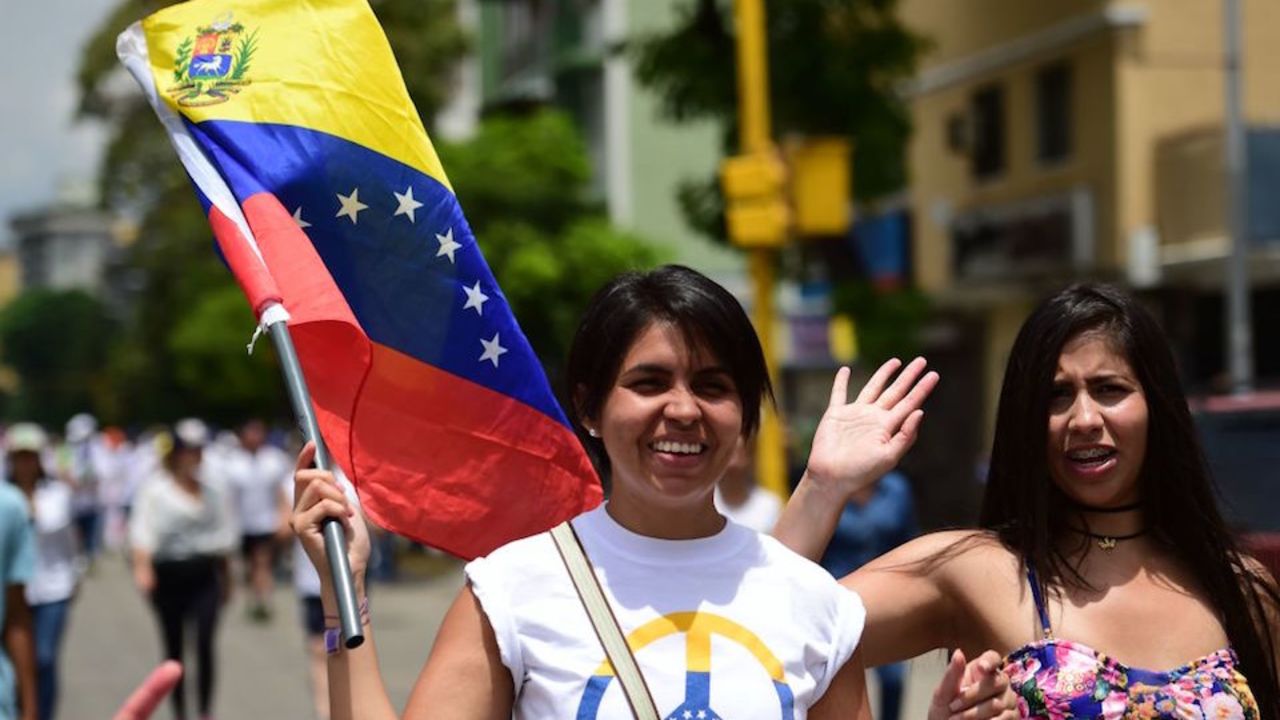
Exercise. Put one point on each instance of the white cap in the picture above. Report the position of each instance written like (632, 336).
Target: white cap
(81, 427)
(25, 436)
(191, 432)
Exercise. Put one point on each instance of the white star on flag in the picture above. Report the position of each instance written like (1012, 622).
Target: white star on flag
(475, 298)
(297, 218)
(687, 715)
(351, 205)
(407, 204)
(492, 350)
(447, 245)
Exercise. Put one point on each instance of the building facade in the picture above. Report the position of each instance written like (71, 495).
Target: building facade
(1062, 139)
(571, 53)
(67, 247)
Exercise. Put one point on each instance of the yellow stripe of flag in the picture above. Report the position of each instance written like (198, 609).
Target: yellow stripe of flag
(324, 65)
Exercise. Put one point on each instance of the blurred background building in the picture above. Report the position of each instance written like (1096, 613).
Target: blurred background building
(1059, 140)
(572, 55)
(1056, 140)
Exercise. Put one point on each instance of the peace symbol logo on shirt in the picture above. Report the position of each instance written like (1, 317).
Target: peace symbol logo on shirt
(698, 628)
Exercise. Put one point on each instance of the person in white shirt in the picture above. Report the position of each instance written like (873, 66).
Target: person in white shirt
(741, 499)
(666, 375)
(56, 575)
(253, 470)
(182, 532)
(81, 459)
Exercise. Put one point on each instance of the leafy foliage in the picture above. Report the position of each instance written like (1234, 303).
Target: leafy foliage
(887, 321)
(216, 379)
(247, 47)
(181, 59)
(57, 342)
(833, 65)
(522, 181)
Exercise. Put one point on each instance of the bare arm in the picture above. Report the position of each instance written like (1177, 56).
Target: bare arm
(846, 696)
(19, 643)
(464, 678)
(855, 444)
(144, 574)
(356, 689)
(910, 597)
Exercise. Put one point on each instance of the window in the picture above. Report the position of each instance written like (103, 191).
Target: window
(1053, 113)
(987, 109)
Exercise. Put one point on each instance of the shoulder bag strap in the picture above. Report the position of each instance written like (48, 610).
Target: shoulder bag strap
(604, 622)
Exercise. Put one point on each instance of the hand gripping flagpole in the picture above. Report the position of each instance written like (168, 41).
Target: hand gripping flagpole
(335, 541)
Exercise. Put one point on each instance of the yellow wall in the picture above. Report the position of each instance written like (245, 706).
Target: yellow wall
(1171, 113)
(959, 28)
(941, 182)
(1143, 95)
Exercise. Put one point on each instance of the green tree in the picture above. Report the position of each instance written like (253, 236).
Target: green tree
(834, 69)
(213, 372)
(58, 343)
(523, 182)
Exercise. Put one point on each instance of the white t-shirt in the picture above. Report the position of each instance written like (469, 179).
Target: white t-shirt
(55, 575)
(760, 512)
(730, 626)
(254, 478)
(172, 524)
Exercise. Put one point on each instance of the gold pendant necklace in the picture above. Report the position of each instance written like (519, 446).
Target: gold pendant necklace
(1107, 543)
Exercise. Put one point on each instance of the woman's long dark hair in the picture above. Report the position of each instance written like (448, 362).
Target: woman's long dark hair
(1023, 506)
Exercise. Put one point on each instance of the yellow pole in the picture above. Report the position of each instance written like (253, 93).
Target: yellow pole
(754, 136)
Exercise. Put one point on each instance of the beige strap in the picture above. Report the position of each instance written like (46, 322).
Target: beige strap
(605, 624)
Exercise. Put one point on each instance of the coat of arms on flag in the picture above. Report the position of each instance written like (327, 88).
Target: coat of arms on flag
(210, 66)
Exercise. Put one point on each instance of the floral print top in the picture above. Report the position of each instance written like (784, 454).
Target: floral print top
(1063, 680)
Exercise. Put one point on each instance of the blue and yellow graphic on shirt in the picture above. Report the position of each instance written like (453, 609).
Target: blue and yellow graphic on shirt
(698, 629)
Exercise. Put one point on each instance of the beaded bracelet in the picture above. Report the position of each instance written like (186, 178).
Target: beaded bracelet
(333, 633)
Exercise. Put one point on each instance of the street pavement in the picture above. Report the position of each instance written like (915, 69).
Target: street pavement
(112, 643)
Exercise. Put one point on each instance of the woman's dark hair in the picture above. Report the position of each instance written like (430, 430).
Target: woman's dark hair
(707, 315)
(1024, 507)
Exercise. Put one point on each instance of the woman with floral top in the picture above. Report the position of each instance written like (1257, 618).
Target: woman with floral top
(1103, 568)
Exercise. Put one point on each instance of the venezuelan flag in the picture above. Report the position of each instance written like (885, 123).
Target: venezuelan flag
(326, 196)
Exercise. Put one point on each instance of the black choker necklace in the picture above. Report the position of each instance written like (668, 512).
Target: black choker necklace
(1093, 509)
(1108, 542)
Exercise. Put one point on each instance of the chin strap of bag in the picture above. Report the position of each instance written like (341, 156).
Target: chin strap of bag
(594, 602)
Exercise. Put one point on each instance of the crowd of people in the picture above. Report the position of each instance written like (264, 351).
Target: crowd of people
(184, 505)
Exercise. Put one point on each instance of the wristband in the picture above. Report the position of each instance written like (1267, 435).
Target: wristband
(333, 634)
(332, 640)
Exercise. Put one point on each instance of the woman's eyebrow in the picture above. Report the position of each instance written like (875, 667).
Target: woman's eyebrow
(644, 368)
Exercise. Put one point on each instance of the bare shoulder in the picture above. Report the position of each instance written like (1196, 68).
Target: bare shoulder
(946, 551)
(960, 562)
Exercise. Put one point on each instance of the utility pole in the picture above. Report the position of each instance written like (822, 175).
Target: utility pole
(1239, 340)
(759, 220)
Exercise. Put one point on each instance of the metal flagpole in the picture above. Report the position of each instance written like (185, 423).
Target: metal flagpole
(335, 542)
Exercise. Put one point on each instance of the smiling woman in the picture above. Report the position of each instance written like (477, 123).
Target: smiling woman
(666, 376)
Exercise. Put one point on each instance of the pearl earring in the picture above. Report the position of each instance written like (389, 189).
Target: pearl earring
(593, 432)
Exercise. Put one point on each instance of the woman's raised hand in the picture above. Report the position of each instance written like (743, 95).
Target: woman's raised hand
(857, 442)
(316, 497)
